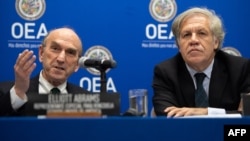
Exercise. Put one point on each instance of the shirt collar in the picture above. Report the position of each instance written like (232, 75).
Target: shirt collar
(46, 86)
(207, 71)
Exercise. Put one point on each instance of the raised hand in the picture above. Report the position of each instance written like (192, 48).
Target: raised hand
(23, 68)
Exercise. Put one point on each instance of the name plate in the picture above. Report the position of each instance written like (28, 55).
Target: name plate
(92, 104)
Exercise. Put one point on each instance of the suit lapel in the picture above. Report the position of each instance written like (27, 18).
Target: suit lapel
(186, 84)
(217, 84)
(69, 88)
(34, 84)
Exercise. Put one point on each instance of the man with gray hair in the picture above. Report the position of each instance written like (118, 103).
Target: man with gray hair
(200, 79)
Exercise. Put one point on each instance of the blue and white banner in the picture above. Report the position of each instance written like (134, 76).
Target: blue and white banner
(135, 33)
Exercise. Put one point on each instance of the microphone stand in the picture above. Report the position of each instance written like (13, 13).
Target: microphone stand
(103, 78)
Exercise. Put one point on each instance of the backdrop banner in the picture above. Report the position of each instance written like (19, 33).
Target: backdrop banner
(135, 33)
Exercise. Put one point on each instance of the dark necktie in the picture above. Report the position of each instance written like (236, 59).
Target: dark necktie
(201, 99)
(55, 91)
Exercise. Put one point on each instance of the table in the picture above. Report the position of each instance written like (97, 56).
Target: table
(115, 128)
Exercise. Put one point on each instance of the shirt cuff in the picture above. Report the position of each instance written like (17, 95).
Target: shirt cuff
(216, 111)
(16, 101)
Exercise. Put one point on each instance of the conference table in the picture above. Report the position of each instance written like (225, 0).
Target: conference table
(116, 128)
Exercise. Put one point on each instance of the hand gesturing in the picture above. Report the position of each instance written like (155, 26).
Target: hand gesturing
(23, 68)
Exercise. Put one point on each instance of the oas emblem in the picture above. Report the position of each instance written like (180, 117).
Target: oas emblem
(162, 10)
(231, 50)
(100, 53)
(30, 9)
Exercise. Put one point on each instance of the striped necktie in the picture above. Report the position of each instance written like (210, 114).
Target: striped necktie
(201, 99)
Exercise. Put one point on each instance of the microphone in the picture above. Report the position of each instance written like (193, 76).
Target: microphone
(85, 62)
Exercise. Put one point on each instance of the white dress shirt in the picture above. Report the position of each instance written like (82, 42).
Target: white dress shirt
(206, 82)
(43, 88)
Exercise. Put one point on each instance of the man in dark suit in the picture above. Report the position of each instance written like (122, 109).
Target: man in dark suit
(59, 54)
(199, 35)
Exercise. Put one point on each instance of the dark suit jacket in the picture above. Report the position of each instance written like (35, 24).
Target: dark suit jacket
(5, 102)
(173, 85)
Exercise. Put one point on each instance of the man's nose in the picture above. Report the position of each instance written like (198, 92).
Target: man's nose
(194, 37)
(61, 56)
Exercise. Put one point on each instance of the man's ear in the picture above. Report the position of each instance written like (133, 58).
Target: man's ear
(77, 67)
(41, 53)
(216, 44)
